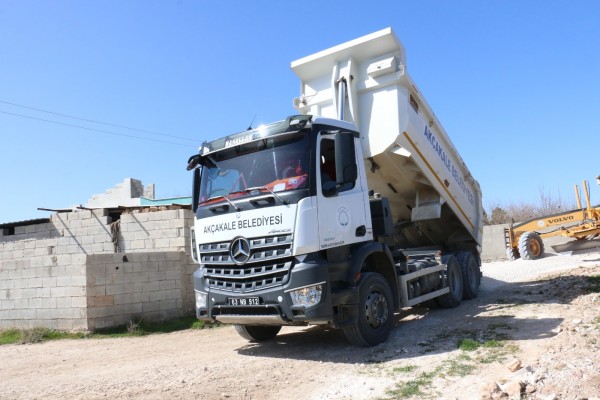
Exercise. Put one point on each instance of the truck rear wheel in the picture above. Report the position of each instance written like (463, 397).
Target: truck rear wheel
(531, 246)
(375, 318)
(455, 283)
(256, 333)
(471, 275)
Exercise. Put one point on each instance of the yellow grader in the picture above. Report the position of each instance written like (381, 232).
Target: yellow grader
(525, 239)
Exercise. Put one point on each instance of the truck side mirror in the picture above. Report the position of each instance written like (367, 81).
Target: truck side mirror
(196, 190)
(345, 158)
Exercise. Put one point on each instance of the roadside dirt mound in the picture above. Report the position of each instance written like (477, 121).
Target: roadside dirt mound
(534, 332)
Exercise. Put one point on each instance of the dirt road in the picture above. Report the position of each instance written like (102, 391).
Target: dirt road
(551, 325)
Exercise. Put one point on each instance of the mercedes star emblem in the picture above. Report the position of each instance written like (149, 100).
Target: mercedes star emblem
(240, 250)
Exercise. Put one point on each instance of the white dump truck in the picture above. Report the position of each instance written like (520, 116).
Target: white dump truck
(342, 215)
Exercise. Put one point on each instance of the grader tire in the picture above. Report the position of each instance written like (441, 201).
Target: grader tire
(512, 254)
(531, 246)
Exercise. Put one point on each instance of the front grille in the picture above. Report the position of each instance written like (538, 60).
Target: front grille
(269, 264)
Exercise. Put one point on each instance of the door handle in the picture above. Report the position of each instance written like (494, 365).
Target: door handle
(361, 231)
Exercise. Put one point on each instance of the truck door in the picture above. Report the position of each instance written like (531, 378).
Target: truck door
(341, 208)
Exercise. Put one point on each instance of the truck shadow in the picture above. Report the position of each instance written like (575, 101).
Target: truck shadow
(502, 312)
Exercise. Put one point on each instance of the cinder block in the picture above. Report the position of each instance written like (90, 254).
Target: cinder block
(4, 316)
(130, 298)
(78, 280)
(75, 291)
(63, 281)
(152, 286)
(177, 223)
(57, 291)
(100, 212)
(174, 274)
(42, 292)
(63, 302)
(49, 282)
(179, 243)
(48, 302)
(8, 304)
(157, 296)
(8, 265)
(170, 284)
(35, 282)
(101, 301)
(168, 304)
(96, 279)
(29, 293)
(79, 302)
(150, 306)
(74, 224)
(122, 288)
(80, 325)
(137, 245)
(86, 240)
(20, 283)
(158, 256)
(173, 293)
(22, 314)
(65, 324)
(96, 291)
(157, 276)
(162, 243)
(40, 251)
(17, 253)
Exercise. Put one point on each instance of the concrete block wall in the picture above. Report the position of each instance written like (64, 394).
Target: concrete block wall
(125, 287)
(49, 272)
(45, 291)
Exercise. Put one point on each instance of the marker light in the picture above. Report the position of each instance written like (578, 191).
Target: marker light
(200, 299)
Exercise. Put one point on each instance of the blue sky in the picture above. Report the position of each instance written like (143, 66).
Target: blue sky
(515, 83)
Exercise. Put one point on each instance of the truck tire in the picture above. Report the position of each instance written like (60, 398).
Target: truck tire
(255, 333)
(375, 316)
(471, 275)
(512, 254)
(455, 283)
(531, 246)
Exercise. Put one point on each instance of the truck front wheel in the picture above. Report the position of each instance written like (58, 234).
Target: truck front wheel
(256, 333)
(375, 314)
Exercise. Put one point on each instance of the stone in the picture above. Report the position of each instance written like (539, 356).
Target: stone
(490, 391)
(514, 365)
(514, 389)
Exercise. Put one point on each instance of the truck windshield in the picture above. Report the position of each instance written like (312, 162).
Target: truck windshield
(274, 164)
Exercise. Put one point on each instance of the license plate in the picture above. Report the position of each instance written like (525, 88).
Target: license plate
(243, 301)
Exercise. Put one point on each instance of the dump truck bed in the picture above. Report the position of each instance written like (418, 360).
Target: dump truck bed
(409, 157)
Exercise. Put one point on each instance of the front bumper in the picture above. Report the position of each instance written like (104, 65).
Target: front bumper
(275, 304)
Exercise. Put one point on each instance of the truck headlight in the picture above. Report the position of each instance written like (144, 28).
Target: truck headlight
(200, 299)
(307, 296)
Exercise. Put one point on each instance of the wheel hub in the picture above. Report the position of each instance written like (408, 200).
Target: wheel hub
(376, 309)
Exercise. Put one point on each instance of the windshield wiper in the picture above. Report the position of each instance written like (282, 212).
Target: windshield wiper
(251, 189)
(229, 201)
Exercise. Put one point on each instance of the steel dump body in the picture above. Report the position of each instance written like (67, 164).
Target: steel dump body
(408, 156)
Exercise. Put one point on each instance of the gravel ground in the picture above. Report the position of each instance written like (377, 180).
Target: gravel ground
(543, 309)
